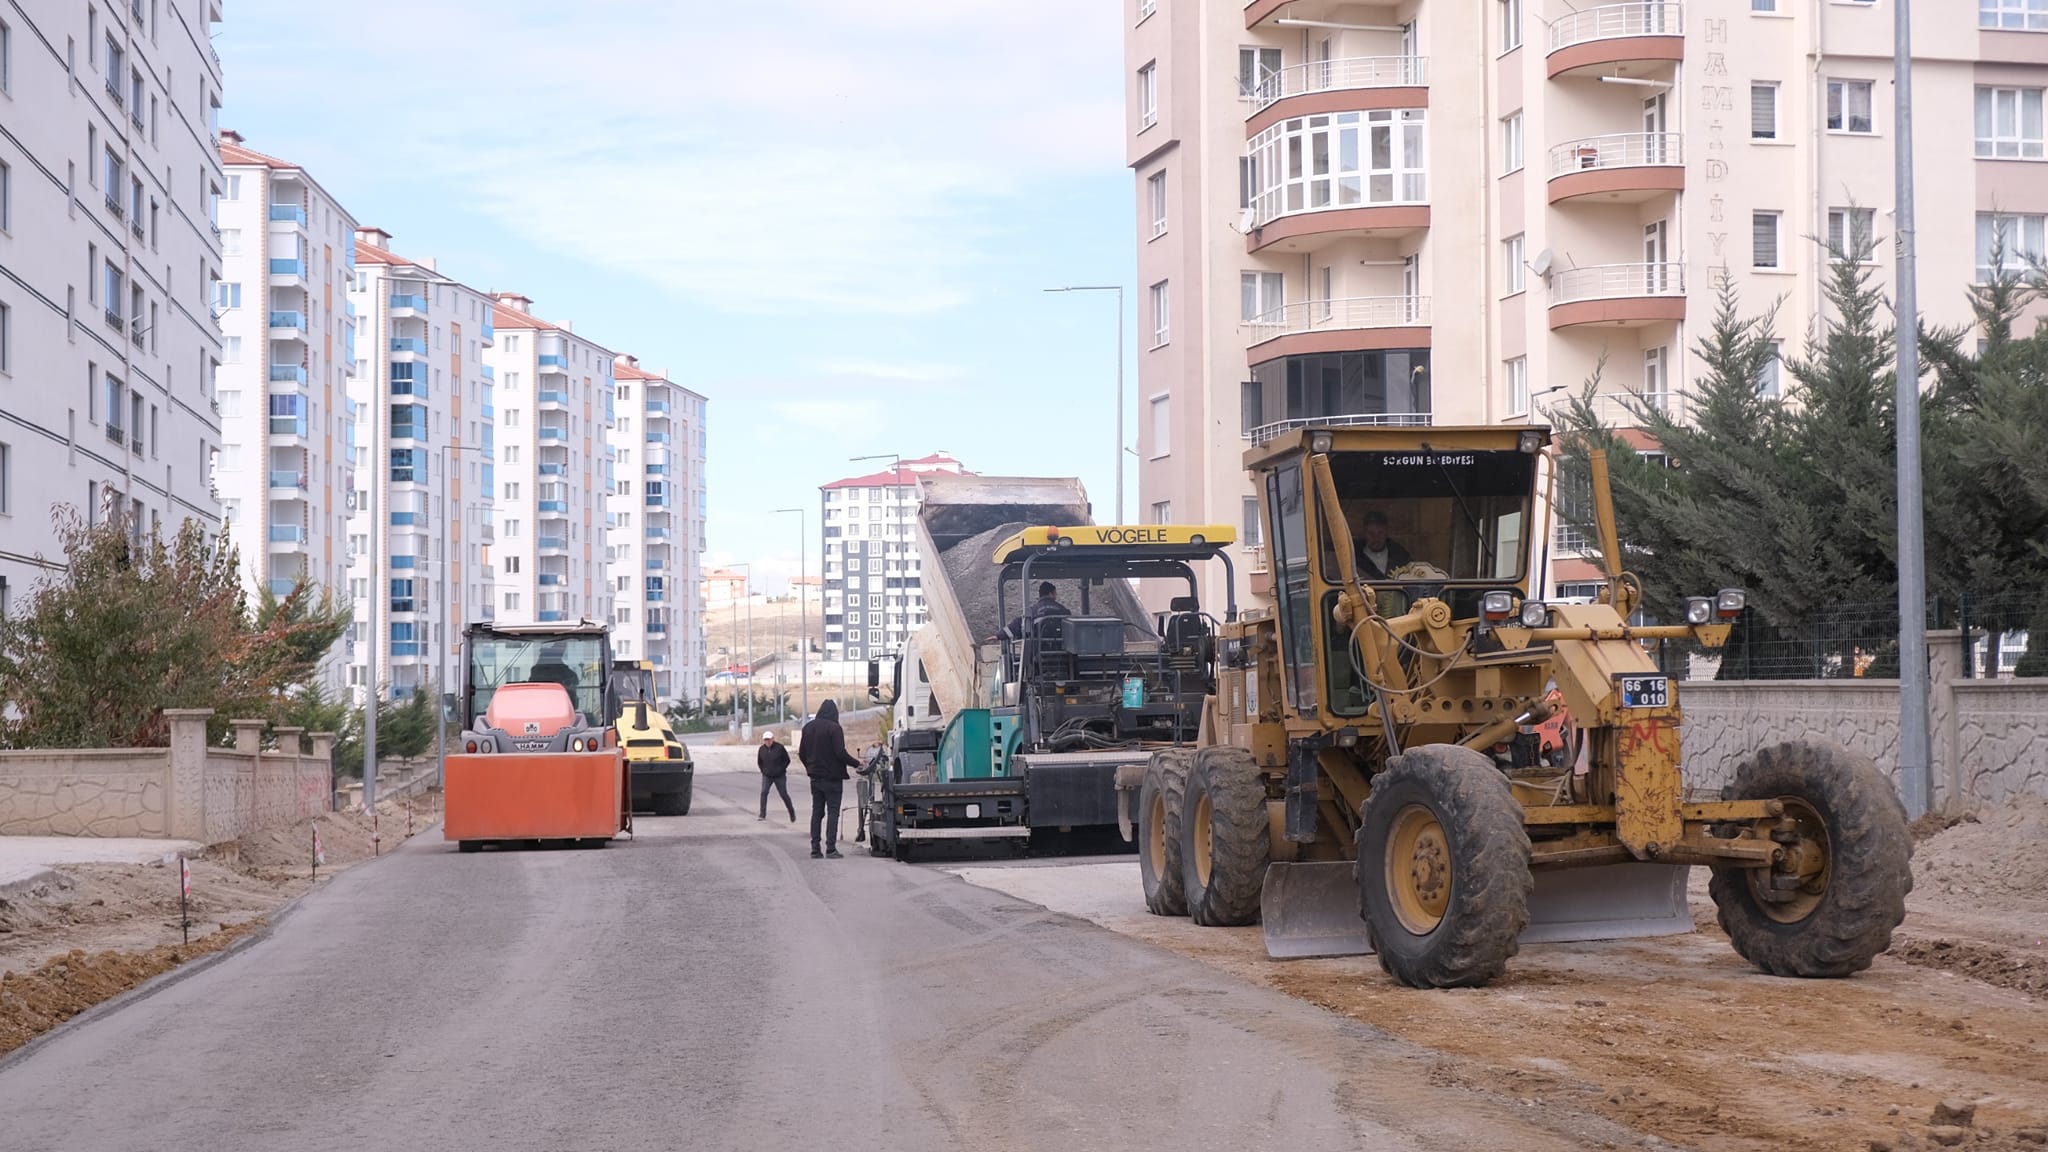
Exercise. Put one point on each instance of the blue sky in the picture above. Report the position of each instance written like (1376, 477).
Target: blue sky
(835, 218)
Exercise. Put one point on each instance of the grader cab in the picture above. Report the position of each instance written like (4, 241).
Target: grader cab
(1361, 784)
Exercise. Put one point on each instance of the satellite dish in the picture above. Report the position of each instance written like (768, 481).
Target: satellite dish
(1248, 221)
(1542, 263)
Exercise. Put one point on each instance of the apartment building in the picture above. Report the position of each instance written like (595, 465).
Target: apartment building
(110, 254)
(286, 466)
(873, 581)
(654, 525)
(425, 457)
(554, 401)
(1452, 213)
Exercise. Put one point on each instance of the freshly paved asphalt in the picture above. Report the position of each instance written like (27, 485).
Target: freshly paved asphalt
(707, 985)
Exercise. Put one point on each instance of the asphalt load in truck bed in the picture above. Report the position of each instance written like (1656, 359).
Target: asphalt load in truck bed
(975, 579)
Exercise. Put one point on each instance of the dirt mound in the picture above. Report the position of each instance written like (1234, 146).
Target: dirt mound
(34, 1002)
(346, 837)
(1994, 857)
(2005, 967)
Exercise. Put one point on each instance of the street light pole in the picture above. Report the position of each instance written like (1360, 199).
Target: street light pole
(1119, 290)
(1915, 750)
(803, 637)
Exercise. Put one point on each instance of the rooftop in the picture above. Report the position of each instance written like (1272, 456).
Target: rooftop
(904, 475)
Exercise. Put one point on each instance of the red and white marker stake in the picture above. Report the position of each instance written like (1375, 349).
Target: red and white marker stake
(184, 899)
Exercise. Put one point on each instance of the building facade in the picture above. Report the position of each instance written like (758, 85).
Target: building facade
(873, 582)
(288, 427)
(425, 457)
(655, 527)
(110, 257)
(1455, 213)
(554, 402)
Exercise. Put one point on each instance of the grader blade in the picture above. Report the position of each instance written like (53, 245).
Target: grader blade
(1312, 909)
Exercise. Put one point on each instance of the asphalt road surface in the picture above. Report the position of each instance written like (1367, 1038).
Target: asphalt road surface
(709, 986)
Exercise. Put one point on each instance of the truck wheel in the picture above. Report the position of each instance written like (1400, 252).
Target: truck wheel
(1159, 835)
(469, 845)
(1829, 907)
(689, 787)
(1443, 868)
(1226, 844)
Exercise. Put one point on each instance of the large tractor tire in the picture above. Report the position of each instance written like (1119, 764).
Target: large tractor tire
(1226, 842)
(1159, 835)
(1443, 868)
(1829, 909)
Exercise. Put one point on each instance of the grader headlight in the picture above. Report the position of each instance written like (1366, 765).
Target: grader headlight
(1497, 607)
(1699, 610)
(1729, 602)
(1535, 614)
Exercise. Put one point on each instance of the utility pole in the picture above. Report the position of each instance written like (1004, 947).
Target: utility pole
(380, 586)
(1916, 753)
(803, 640)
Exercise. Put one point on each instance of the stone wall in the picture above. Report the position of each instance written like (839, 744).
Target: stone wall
(1990, 737)
(189, 791)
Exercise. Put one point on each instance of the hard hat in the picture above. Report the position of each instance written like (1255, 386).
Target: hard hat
(768, 735)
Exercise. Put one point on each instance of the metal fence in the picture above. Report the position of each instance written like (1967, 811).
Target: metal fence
(1857, 640)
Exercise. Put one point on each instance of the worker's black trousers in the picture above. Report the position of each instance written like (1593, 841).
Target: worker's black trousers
(780, 784)
(825, 796)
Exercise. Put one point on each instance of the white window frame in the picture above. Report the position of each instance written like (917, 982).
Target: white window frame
(1148, 95)
(2027, 235)
(2009, 141)
(1513, 262)
(2013, 15)
(1770, 88)
(1511, 143)
(1656, 389)
(1510, 25)
(1260, 294)
(1763, 7)
(1839, 118)
(1515, 376)
(1770, 378)
(1146, 8)
(1159, 422)
(1842, 223)
(1155, 199)
(1162, 512)
(1777, 220)
(1162, 313)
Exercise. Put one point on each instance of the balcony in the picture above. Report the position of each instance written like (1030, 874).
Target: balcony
(1279, 428)
(1617, 39)
(408, 431)
(287, 481)
(553, 362)
(281, 586)
(405, 648)
(1625, 295)
(488, 372)
(550, 616)
(287, 214)
(490, 412)
(408, 346)
(659, 408)
(288, 273)
(552, 579)
(283, 537)
(1622, 168)
(287, 325)
(1345, 325)
(490, 333)
(287, 426)
(1623, 407)
(114, 205)
(656, 532)
(1365, 177)
(553, 435)
(1347, 85)
(553, 469)
(553, 544)
(405, 305)
(560, 507)
(656, 628)
(288, 374)
(550, 400)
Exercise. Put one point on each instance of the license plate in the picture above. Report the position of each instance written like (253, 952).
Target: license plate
(1645, 691)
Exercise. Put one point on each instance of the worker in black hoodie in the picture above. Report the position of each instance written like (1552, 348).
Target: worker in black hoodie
(823, 752)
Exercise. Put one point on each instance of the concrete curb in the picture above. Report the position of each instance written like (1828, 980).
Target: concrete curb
(24, 883)
(190, 968)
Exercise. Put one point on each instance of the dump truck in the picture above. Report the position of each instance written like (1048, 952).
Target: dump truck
(538, 759)
(663, 773)
(1361, 787)
(1017, 719)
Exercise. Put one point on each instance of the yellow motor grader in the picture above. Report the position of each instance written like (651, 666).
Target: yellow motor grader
(1365, 780)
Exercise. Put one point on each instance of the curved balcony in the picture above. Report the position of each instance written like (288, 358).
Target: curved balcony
(1346, 174)
(1618, 38)
(1267, 432)
(1345, 325)
(1351, 84)
(1623, 168)
(1623, 295)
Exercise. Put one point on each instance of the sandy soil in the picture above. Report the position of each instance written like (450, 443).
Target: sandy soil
(93, 931)
(1682, 1040)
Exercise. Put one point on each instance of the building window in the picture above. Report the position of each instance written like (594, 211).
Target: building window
(1148, 95)
(1250, 535)
(6, 480)
(1763, 239)
(231, 241)
(1511, 143)
(6, 57)
(1852, 233)
(1511, 264)
(1155, 195)
(1657, 378)
(1161, 426)
(1161, 314)
(1849, 106)
(1515, 373)
(1763, 110)
(2009, 123)
(6, 338)
(511, 601)
(1162, 512)
(2013, 15)
(234, 187)
(1256, 67)
(1261, 296)
(1510, 25)
(2007, 243)
(226, 296)
(6, 187)
(1767, 375)
(1345, 160)
(1763, 5)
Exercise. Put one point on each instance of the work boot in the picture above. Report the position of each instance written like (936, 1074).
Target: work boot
(762, 816)
(833, 853)
(815, 854)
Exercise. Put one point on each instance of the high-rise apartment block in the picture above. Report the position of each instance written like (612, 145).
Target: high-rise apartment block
(554, 401)
(655, 527)
(873, 580)
(423, 468)
(1445, 212)
(286, 469)
(110, 256)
